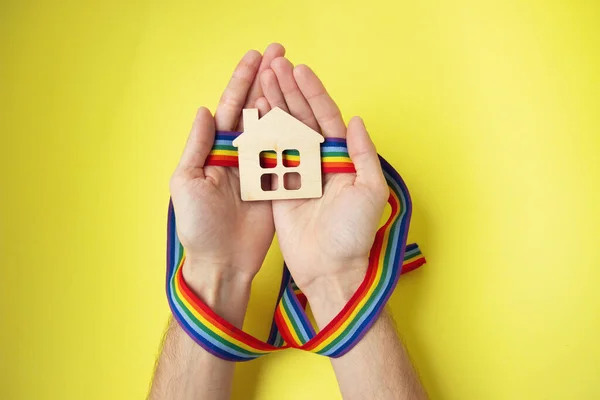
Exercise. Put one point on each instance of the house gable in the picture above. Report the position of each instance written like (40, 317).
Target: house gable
(276, 126)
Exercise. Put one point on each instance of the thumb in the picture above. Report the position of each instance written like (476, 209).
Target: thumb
(200, 141)
(364, 155)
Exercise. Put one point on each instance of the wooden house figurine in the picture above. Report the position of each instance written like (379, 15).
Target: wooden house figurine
(290, 153)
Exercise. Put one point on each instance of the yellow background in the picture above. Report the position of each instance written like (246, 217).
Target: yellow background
(489, 109)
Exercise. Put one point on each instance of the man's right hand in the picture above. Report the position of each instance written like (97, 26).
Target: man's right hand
(326, 241)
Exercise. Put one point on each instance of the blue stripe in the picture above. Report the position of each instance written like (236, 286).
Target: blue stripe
(171, 233)
(223, 142)
(299, 315)
(338, 140)
(412, 246)
(331, 149)
(285, 279)
(294, 315)
(226, 134)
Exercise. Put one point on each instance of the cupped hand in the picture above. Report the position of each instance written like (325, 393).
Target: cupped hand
(224, 237)
(326, 241)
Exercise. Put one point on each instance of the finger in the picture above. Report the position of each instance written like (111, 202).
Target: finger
(263, 106)
(200, 141)
(295, 100)
(364, 156)
(272, 51)
(272, 91)
(324, 108)
(235, 94)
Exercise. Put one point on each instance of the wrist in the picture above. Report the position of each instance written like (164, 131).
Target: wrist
(328, 294)
(222, 288)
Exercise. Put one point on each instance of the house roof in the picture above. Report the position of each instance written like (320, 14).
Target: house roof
(280, 124)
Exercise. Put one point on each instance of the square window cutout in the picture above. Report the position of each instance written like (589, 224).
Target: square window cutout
(267, 159)
(292, 181)
(269, 182)
(291, 158)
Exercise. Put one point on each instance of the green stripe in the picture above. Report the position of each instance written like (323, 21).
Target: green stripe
(410, 254)
(291, 153)
(334, 154)
(224, 147)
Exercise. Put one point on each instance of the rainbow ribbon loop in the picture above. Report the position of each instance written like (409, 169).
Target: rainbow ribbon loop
(389, 257)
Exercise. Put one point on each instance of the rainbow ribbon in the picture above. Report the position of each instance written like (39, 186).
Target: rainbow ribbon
(389, 257)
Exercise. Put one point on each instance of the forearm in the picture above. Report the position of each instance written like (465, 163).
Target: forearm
(187, 371)
(378, 367)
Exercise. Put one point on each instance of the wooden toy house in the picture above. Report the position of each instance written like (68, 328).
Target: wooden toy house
(274, 135)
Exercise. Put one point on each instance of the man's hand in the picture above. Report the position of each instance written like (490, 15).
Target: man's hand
(225, 239)
(326, 241)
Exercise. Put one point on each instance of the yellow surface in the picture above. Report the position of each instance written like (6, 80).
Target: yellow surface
(490, 111)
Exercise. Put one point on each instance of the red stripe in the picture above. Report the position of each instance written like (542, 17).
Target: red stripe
(411, 266)
(222, 161)
(302, 300)
(332, 167)
(268, 162)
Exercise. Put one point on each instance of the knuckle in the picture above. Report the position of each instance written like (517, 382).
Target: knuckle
(244, 72)
(327, 118)
(289, 91)
(316, 95)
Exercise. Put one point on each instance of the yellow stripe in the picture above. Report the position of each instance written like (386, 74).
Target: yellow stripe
(288, 323)
(206, 322)
(336, 159)
(224, 153)
(360, 305)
